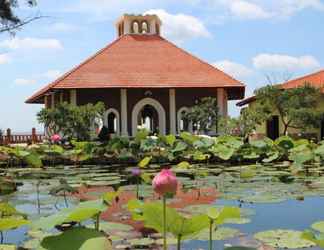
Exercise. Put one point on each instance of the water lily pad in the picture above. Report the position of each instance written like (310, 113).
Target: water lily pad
(7, 247)
(141, 242)
(263, 198)
(113, 226)
(283, 239)
(77, 239)
(319, 226)
(222, 233)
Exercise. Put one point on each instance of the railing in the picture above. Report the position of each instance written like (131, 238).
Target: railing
(9, 138)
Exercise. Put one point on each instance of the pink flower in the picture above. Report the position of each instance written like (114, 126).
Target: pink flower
(136, 172)
(55, 138)
(165, 182)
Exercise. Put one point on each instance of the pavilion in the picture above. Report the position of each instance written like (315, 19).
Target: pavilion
(143, 79)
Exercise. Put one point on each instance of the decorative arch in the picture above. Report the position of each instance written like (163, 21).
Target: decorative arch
(179, 118)
(136, 27)
(158, 107)
(116, 113)
(145, 27)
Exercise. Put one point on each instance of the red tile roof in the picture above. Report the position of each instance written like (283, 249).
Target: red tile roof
(315, 79)
(142, 61)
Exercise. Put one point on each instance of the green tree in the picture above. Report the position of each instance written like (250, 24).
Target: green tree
(296, 107)
(70, 120)
(204, 114)
(9, 21)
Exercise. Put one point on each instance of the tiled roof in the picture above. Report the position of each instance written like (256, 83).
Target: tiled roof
(142, 61)
(315, 79)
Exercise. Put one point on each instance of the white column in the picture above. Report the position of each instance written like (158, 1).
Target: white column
(172, 110)
(123, 108)
(225, 103)
(53, 100)
(220, 101)
(73, 97)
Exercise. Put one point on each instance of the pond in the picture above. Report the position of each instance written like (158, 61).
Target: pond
(270, 198)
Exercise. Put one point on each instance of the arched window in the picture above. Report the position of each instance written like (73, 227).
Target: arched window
(183, 123)
(145, 27)
(135, 27)
(111, 121)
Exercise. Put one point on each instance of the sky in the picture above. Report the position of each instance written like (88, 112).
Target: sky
(256, 41)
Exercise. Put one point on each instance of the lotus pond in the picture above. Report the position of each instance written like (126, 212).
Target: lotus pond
(276, 206)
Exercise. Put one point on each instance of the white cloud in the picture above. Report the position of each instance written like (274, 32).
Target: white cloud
(180, 27)
(51, 74)
(279, 62)
(63, 27)
(46, 76)
(236, 70)
(247, 10)
(264, 9)
(31, 43)
(23, 81)
(4, 58)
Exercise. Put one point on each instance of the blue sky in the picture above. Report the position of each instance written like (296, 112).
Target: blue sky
(249, 39)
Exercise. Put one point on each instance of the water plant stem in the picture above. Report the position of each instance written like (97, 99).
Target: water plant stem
(97, 221)
(179, 242)
(164, 224)
(1, 237)
(137, 187)
(210, 234)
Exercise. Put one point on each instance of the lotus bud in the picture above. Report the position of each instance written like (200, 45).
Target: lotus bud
(165, 182)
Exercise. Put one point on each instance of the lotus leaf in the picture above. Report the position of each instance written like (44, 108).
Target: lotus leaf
(12, 223)
(222, 233)
(283, 239)
(7, 247)
(141, 242)
(319, 226)
(316, 239)
(240, 248)
(176, 223)
(77, 239)
(144, 162)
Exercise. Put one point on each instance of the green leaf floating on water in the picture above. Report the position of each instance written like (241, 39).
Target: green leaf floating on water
(145, 161)
(263, 198)
(84, 211)
(12, 223)
(319, 226)
(8, 210)
(240, 248)
(77, 239)
(222, 233)
(318, 239)
(283, 239)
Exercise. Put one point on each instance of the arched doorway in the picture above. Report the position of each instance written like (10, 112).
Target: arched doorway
(111, 121)
(150, 114)
(183, 124)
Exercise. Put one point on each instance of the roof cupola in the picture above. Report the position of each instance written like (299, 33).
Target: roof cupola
(138, 24)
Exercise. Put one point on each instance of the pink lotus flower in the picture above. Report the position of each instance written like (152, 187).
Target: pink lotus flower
(55, 138)
(165, 182)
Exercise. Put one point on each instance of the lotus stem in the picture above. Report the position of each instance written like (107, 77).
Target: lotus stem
(179, 242)
(210, 234)
(97, 222)
(65, 200)
(137, 187)
(1, 237)
(165, 247)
